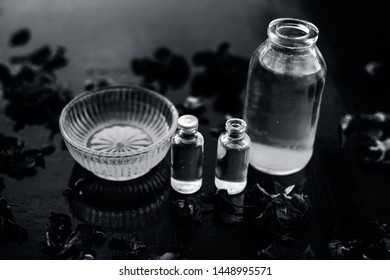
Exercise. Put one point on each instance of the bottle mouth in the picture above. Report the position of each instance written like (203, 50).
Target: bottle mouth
(235, 126)
(292, 33)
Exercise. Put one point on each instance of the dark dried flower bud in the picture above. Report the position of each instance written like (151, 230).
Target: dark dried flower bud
(20, 37)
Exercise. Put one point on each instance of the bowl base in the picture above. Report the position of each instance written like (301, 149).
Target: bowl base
(118, 138)
(121, 179)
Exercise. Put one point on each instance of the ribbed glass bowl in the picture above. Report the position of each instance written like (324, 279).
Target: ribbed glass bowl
(118, 133)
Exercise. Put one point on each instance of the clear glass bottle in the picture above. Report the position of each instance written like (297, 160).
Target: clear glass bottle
(285, 83)
(232, 157)
(187, 156)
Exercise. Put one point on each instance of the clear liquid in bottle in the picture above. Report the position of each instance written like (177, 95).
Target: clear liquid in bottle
(282, 112)
(232, 157)
(187, 156)
(285, 83)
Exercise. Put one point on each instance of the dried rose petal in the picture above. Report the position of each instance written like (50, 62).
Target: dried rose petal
(9, 230)
(187, 211)
(287, 248)
(167, 69)
(284, 211)
(20, 37)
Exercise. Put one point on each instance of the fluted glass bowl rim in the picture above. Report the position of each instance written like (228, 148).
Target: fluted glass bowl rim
(86, 94)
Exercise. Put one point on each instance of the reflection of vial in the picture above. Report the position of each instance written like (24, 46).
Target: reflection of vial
(187, 156)
(232, 157)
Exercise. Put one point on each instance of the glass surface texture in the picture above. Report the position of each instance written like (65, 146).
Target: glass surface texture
(118, 133)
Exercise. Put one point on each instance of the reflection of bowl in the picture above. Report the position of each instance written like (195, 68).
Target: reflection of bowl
(119, 206)
(118, 133)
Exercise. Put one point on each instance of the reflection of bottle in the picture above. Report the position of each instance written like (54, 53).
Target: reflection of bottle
(187, 156)
(232, 157)
(285, 82)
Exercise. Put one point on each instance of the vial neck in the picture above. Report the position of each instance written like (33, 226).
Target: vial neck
(234, 136)
(187, 136)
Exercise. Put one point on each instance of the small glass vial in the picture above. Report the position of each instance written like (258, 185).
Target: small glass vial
(232, 157)
(187, 156)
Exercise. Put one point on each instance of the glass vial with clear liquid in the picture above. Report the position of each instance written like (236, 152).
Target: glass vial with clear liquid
(232, 157)
(187, 156)
(285, 83)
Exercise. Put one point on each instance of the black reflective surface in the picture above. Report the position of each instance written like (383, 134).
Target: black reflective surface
(209, 44)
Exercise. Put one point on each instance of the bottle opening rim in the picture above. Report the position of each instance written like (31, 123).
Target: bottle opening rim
(292, 33)
(236, 126)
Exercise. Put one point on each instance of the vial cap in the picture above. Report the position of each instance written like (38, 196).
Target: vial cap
(188, 123)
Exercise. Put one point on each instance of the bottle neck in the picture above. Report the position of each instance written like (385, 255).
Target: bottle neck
(188, 136)
(234, 136)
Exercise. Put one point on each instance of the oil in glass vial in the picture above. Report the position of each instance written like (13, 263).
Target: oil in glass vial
(232, 157)
(187, 147)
